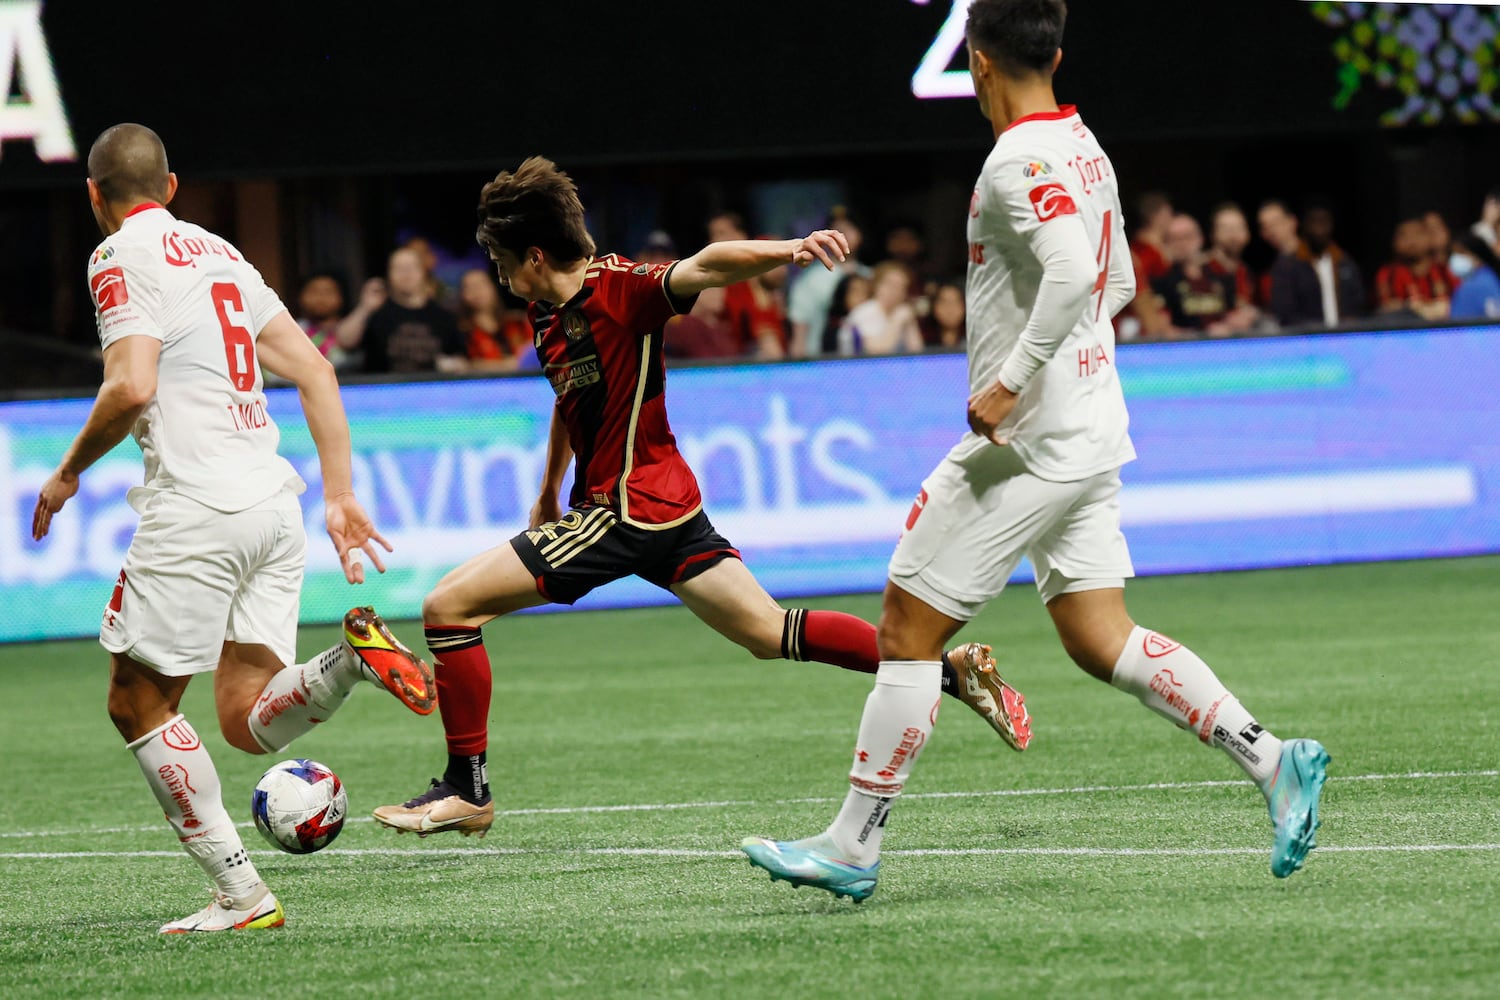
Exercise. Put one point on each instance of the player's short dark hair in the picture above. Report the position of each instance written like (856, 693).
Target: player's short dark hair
(1022, 36)
(128, 161)
(536, 205)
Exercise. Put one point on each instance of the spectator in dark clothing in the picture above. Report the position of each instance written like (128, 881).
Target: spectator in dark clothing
(1340, 285)
(943, 325)
(411, 333)
(1291, 291)
(1229, 235)
(1196, 298)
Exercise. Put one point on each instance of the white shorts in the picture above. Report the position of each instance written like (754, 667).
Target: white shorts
(195, 577)
(980, 511)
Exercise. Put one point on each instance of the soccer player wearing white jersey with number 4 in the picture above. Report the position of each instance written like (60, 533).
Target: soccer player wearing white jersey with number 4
(1038, 475)
(214, 571)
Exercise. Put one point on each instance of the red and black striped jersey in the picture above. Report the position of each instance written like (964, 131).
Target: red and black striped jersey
(602, 352)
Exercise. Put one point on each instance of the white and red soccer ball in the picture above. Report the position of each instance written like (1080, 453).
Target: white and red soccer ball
(299, 806)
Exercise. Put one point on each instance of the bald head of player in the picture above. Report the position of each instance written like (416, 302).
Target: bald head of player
(127, 168)
(1014, 48)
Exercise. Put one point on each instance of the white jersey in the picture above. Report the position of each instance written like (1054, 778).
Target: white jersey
(206, 433)
(1048, 269)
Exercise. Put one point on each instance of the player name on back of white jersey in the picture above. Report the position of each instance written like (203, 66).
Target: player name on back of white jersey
(1048, 171)
(207, 433)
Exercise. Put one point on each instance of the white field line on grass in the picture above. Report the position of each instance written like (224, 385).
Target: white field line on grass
(728, 803)
(676, 852)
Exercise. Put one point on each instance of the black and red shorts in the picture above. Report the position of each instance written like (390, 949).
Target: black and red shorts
(590, 546)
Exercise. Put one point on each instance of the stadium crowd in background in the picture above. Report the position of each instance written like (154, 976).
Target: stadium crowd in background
(896, 301)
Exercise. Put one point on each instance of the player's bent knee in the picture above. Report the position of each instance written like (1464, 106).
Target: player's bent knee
(438, 607)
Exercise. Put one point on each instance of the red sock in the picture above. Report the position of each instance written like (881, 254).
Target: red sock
(464, 685)
(830, 637)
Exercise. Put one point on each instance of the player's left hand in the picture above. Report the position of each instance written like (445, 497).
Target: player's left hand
(826, 245)
(988, 409)
(351, 528)
(59, 488)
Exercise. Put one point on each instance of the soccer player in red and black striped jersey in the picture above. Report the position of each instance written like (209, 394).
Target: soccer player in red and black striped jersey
(635, 508)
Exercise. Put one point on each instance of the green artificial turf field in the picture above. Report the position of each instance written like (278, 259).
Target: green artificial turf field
(630, 752)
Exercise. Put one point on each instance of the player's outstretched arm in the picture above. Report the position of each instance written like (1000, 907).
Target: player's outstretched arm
(286, 351)
(721, 264)
(559, 454)
(129, 384)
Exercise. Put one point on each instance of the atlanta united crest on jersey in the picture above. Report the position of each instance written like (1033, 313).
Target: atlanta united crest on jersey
(602, 352)
(1047, 170)
(206, 434)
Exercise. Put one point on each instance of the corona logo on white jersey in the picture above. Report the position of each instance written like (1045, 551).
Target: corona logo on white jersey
(39, 115)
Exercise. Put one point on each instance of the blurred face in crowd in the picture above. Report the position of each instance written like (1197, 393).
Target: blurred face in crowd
(892, 287)
(948, 307)
(477, 291)
(1490, 213)
(424, 253)
(321, 299)
(1439, 238)
(1184, 238)
(1411, 242)
(725, 227)
(904, 244)
(856, 292)
(1278, 227)
(1160, 220)
(1231, 231)
(406, 275)
(1317, 228)
(658, 250)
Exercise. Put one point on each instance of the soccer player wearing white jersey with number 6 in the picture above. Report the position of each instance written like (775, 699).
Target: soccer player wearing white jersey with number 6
(213, 574)
(1038, 476)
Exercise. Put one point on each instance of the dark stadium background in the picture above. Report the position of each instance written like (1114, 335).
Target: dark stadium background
(667, 111)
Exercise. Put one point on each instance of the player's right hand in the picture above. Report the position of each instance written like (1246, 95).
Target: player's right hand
(545, 510)
(825, 245)
(351, 528)
(59, 488)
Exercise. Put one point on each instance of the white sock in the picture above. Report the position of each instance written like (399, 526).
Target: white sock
(1173, 682)
(182, 777)
(899, 715)
(299, 697)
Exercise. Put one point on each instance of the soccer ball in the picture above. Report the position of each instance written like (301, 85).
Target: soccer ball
(299, 806)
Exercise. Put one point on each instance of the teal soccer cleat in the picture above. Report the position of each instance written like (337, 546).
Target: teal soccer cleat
(1293, 803)
(800, 863)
